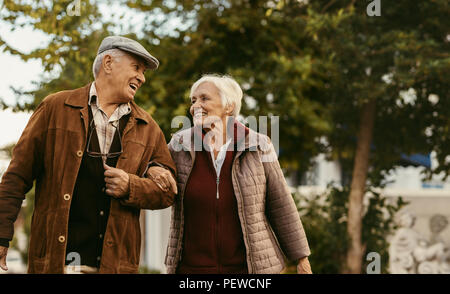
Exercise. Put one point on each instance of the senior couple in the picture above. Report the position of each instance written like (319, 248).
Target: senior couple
(97, 159)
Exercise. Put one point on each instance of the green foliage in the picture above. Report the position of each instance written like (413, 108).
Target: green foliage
(8, 149)
(379, 58)
(324, 219)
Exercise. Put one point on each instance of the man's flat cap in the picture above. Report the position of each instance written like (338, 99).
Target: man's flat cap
(128, 45)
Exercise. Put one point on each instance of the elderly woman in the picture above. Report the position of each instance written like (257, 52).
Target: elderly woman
(234, 213)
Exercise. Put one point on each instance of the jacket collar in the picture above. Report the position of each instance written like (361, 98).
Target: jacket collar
(79, 98)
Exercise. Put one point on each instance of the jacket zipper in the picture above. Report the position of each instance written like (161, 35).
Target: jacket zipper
(217, 187)
(216, 231)
(217, 227)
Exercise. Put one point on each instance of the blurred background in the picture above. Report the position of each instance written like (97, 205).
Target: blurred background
(360, 88)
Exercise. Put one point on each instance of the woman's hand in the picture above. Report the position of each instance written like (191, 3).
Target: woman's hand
(3, 254)
(162, 178)
(303, 266)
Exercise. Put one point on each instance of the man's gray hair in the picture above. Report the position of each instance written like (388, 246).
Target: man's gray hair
(115, 53)
(229, 90)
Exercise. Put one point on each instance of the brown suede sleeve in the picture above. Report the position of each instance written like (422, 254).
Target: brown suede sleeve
(25, 166)
(144, 193)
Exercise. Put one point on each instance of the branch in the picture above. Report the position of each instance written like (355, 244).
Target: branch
(328, 5)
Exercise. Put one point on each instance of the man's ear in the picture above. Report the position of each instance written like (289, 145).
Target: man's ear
(106, 63)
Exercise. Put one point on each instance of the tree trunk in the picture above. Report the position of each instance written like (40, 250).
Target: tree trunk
(358, 187)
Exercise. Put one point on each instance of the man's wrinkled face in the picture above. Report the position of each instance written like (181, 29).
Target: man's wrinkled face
(127, 76)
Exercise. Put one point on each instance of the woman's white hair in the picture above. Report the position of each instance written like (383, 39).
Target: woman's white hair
(115, 53)
(229, 90)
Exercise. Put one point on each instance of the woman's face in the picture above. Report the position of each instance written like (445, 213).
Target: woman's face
(206, 105)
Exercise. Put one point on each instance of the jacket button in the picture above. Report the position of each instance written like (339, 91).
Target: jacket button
(102, 213)
(61, 239)
(66, 196)
(79, 153)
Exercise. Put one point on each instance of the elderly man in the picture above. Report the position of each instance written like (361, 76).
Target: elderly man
(88, 149)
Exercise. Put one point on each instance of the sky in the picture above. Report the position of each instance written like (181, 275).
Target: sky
(19, 74)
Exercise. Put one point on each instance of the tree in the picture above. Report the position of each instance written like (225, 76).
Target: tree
(379, 63)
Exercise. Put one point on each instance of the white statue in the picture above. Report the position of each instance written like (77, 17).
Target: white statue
(410, 253)
(403, 243)
(438, 223)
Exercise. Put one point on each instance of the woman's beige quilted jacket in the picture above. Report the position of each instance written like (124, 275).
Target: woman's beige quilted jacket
(270, 222)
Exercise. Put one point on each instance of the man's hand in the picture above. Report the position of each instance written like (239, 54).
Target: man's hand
(3, 253)
(117, 182)
(303, 266)
(162, 178)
